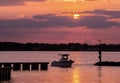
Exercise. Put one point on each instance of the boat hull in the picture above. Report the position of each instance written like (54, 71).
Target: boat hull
(62, 63)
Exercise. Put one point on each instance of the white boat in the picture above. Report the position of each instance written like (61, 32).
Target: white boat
(63, 62)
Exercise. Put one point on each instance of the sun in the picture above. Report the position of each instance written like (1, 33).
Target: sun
(76, 16)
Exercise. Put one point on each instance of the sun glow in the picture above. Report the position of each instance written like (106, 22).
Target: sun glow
(76, 76)
(66, 0)
(71, 0)
(76, 16)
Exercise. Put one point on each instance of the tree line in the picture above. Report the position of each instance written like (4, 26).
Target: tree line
(14, 46)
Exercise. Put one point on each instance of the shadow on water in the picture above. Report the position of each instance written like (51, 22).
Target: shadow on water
(100, 74)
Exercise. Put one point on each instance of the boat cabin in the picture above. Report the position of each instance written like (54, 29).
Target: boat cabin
(64, 56)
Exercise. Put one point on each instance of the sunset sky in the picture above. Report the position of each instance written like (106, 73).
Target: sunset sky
(60, 21)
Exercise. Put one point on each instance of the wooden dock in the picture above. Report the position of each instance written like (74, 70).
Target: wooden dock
(25, 65)
(6, 67)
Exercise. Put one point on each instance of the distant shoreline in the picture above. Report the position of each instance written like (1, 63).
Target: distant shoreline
(14, 46)
(55, 50)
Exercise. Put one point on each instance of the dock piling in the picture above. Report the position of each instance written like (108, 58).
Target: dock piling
(5, 74)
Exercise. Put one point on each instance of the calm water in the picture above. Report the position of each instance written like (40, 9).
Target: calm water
(82, 70)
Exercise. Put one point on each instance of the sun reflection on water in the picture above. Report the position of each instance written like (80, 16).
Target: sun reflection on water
(76, 76)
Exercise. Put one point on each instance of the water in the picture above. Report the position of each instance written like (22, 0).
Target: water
(82, 70)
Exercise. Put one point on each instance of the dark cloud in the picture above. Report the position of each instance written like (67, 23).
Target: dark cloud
(51, 20)
(97, 22)
(18, 23)
(14, 2)
(111, 14)
(88, 21)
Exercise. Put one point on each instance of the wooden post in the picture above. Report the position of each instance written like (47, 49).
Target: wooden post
(0, 74)
(8, 73)
(100, 52)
